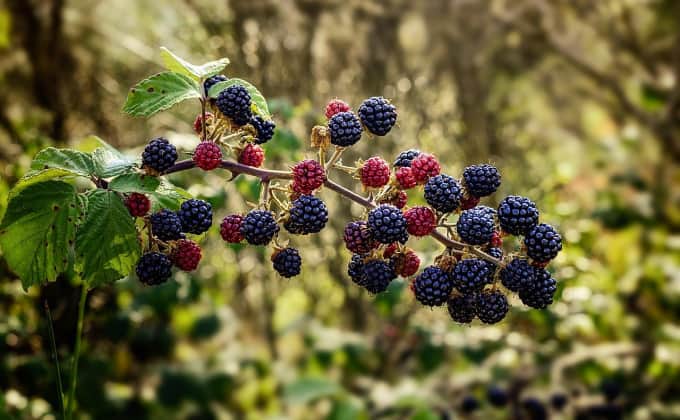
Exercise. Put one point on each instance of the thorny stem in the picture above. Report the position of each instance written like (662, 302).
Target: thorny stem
(266, 175)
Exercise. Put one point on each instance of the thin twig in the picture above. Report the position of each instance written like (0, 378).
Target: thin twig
(55, 357)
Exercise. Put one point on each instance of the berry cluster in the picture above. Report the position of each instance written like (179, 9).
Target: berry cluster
(473, 276)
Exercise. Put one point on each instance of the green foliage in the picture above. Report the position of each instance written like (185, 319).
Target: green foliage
(159, 92)
(77, 163)
(134, 182)
(306, 390)
(108, 161)
(38, 231)
(258, 100)
(106, 244)
(179, 65)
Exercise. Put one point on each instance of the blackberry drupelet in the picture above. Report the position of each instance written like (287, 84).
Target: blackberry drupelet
(345, 129)
(308, 214)
(166, 225)
(517, 215)
(491, 307)
(470, 275)
(159, 155)
(476, 225)
(287, 262)
(443, 193)
(234, 102)
(154, 268)
(196, 216)
(481, 180)
(543, 243)
(378, 115)
(387, 224)
(259, 227)
(432, 286)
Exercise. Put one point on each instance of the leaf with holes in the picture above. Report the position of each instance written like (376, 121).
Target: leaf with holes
(159, 92)
(255, 96)
(107, 248)
(38, 231)
(175, 63)
(78, 163)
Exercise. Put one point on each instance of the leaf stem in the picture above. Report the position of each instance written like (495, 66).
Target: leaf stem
(76, 352)
(55, 357)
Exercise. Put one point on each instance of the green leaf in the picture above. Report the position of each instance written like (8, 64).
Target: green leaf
(38, 230)
(107, 248)
(305, 390)
(175, 63)
(159, 92)
(78, 163)
(255, 96)
(168, 196)
(34, 177)
(110, 162)
(134, 182)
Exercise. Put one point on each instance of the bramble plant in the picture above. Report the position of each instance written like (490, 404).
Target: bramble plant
(54, 227)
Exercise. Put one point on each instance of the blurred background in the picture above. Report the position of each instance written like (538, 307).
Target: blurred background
(576, 101)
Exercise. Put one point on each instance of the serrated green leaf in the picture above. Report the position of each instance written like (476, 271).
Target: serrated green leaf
(110, 162)
(107, 248)
(168, 196)
(38, 230)
(34, 177)
(76, 162)
(134, 182)
(159, 92)
(305, 390)
(175, 63)
(255, 96)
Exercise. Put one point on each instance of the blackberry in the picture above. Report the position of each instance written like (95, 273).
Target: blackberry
(153, 268)
(234, 103)
(558, 400)
(406, 263)
(264, 128)
(517, 215)
(432, 286)
(374, 173)
(308, 214)
(518, 275)
(424, 166)
(481, 180)
(186, 255)
(539, 294)
(212, 81)
(420, 220)
(377, 275)
(259, 227)
(469, 404)
(287, 262)
(355, 269)
(470, 275)
(196, 216)
(335, 106)
(534, 409)
(198, 122)
(405, 178)
(138, 204)
(358, 237)
(443, 193)
(497, 396)
(159, 155)
(496, 253)
(230, 228)
(308, 175)
(405, 158)
(378, 115)
(610, 389)
(251, 155)
(543, 243)
(387, 224)
(476, 225)
(395, 198)
(166, 225)
(463, 308)
(207, 155)
(345, 129)
(491, 307)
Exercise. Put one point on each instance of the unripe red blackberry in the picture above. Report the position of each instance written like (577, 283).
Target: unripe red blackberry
(186, 255)
(358, 237)
(308, 175)
(496, 240)
(375, 172)
(230, 228)
(424, 167)
(207, 155)
(406, 263)
(335, 106)
(405, 178)
(390, 250)
(138, 204)
(198, 122)
(468, 202)
(396, 198)
(251, 155)
(420, 221)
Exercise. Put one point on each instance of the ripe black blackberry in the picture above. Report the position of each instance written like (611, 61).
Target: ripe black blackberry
(463, 308)
(496, 253)
(518, 275)
(517, 215)
(432, 286)
(154, 268)
(470, 275)
(481, 180)
(378, 115)
(497, 396)
(358, 237)
(196, 216)
(443, 193)
(287, 262)
(405, 158)
(234, 102)
(166, 225)
(377, 275)
(259, 227)
(307, 214)
(558, 400)
(264, 128)
(469, 404)
(476, 225)
(345, 129)
(543, 243)
(159, 155)
(539, 294)
(491, 307)
(355, 269)
(387, 224)
(534, 409)
(212, 81)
